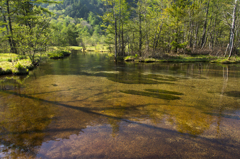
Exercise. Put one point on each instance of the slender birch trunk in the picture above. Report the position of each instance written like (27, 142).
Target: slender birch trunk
(232, 31)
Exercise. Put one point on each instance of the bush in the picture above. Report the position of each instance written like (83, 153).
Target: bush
(21, 57)
(65, 53)
(19, 66)
(20, 69)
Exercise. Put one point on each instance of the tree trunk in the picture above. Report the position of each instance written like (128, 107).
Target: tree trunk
(9, 39)
(232, 31)
(140, 31)
(196, 37)
(115, 26)
(132, 45)
(158, 37)
(13, 43)
(123, 46)
(119, 38)
(205, 27)
(128, 44)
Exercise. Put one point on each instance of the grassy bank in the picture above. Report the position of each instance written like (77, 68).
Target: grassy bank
(14, 64)
(58, 54)
(88, 48)
(184, 59)
(97, 48)
(20, 65)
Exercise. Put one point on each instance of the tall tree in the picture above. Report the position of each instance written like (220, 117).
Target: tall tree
(232, 30)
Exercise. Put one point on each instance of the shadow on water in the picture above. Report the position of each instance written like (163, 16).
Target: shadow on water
(233, 94)
(153, 93)
(134, 79)
(38, 132)
(225, 116)
(163, 91)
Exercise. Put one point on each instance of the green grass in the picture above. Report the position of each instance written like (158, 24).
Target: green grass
(186, 59)
(58, 54)
(19, 64)
(16, 64)
(7, 56)
(148, 60)
(222, 60)
(75, 47)
(19, 67)
(174, 59)
(97, 48)
(129, 58)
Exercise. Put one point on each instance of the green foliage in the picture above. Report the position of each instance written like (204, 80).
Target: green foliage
(20, 69)
(129, 58)
(233, 60)
(176, 45)
(19, 66)
(143, 27)
(81, 8)
(26, 27)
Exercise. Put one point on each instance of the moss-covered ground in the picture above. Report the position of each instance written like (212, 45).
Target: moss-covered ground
(185, 59)
(58, 54)
(20, 65)
(14, 64)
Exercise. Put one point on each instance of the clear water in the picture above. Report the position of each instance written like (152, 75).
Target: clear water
(87, 106)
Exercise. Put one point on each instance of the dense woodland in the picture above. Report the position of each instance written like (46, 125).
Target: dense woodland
(127, 27)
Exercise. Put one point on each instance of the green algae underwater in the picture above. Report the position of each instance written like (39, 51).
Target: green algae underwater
(87, 106)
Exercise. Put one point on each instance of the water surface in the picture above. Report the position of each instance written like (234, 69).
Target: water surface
(87, 106)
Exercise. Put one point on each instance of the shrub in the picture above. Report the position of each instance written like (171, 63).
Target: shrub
(19, 66)
(20, 69)
(22, 57)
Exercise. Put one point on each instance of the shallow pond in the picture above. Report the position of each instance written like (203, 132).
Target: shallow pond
(87, 106)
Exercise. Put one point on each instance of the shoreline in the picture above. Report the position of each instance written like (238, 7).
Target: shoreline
(183, 59)
(14, 64)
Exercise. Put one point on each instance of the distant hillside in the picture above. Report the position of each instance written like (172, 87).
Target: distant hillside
(80, 8)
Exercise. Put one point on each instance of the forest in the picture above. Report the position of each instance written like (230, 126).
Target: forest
(145, 28)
